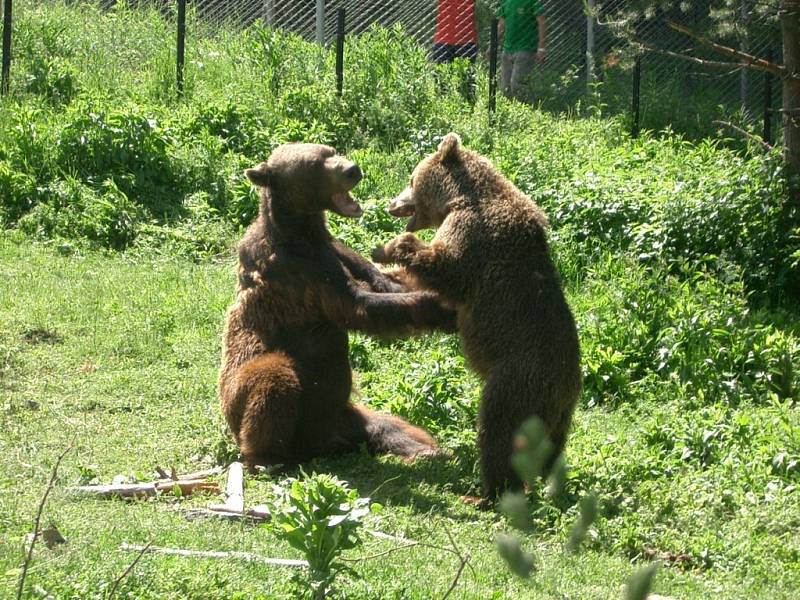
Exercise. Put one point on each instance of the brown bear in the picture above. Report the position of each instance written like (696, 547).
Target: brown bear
(285, 380)
(490, 260)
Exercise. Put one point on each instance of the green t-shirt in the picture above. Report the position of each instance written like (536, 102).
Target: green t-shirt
(522, 28)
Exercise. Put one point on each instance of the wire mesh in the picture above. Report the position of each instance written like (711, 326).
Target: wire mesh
(685, 83)
(580, 48)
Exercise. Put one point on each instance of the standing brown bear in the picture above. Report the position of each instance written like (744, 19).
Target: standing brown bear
(285, 381)
(490, 260)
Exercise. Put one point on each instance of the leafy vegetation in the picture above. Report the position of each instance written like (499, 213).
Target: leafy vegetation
(320, 516)
(120, 205)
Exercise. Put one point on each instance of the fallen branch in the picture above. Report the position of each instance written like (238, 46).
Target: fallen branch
(394, 538)
(464, 561)
(261, 513)
(141, 490)
(186, 483)
(746, 134)
(257, 514)
(29, 554)
(173, 476)
(234, 491)
(746, 60)
(283, 562)
(128, 570)
(407, 543)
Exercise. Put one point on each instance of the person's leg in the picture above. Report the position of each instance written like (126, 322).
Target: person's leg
(468, 51)
(521, 75)
(506, 70)
(470, 83)
(442, 53)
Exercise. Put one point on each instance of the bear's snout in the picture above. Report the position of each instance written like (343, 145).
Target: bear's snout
(354, 173)
(403, 205)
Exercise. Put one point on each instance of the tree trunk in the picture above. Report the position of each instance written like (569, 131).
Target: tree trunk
(790, 29)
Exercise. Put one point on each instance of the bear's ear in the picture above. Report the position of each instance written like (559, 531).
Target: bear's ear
(259, 175)
(449, 146)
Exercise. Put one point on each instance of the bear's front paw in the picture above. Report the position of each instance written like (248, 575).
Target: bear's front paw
(403, 247)
(400, 248)
(380, 255)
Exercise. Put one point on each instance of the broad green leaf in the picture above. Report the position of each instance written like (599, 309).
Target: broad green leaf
(520, 562)
(514, 505)
(639, 584)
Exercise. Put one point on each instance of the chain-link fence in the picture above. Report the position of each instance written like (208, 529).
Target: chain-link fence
(589, 54)
(684, 83)
(589, 58)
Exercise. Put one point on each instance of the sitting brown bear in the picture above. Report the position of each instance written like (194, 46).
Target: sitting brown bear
(285, 380)
(489, 259)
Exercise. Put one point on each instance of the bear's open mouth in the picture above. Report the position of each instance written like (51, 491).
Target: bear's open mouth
(345, 205)
(403, 210)
(402, 205)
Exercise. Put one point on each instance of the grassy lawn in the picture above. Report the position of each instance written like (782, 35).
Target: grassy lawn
(120, 205)
(118, 356)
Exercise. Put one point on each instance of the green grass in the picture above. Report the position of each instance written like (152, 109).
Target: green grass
(120, 206)
(119, 356)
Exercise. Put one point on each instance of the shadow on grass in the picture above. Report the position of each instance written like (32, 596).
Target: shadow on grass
(426, 485)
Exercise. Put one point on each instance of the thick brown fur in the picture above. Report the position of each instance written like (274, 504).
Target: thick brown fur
(490, 259)
(285, 381)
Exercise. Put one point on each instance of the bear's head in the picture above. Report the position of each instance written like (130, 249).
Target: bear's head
(305, 179)
(450, 174)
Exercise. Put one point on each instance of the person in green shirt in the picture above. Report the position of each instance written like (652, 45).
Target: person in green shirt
(522, 27)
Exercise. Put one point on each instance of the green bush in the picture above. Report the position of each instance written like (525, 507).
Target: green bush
(53, 79)
(694, 336)
(129, 143)
(71, 209)
(18, 191)
(319, 515)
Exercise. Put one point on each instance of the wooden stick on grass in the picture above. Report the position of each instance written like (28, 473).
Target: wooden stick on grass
(256, 514)
(283, 562)
(234, 491)
(136, 490)
(461, 556)
(172, 476)
(128, 570)
(407, 543)
(29, 555)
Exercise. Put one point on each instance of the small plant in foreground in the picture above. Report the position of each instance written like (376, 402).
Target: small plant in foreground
(320, 516)
(533, 450)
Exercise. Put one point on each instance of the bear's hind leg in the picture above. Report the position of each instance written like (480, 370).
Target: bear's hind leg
(387, 434)
(502, 410)
(558, 426)
(266, 407)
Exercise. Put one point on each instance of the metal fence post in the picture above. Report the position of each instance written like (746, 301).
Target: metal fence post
(767, 133)
(637, 81)
(181, 44)
(6, 74)
(590, 43)
(493, 67)
(320, 22)
(745, 47)
(339, 50)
